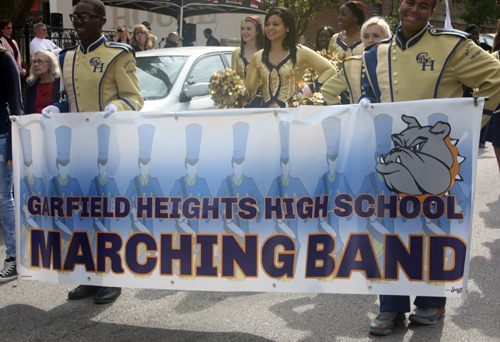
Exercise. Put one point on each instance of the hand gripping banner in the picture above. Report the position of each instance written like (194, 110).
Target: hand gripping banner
(335, 199)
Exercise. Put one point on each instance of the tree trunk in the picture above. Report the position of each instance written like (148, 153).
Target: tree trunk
(17, 14)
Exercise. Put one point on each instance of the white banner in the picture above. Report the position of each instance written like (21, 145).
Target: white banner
(335, 199)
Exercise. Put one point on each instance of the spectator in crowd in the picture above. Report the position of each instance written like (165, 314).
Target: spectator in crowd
(44, 82)
(10, 44)
(252, 40)
(122, 34)
(141, 39)
(172, 40)
(211, 40)
(154, 39)
(40, 43)
(474, 32)
(282, 55)
(323, 37)
(401, 78)
(10, 104)
(90, 91)
(374, 30)
(492, 129)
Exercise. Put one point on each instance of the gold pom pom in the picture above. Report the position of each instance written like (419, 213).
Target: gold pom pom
(227, 89)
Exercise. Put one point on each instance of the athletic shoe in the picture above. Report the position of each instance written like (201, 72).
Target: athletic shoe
(385, 322)
(427, 315)
(9, 271)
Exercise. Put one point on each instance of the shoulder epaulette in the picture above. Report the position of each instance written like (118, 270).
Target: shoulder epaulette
(118, 45)
(438, 31)
(383, 41)
(67, 49)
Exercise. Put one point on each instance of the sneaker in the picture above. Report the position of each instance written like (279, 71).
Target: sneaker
(9, 271)
(385, 322)
(427, 315)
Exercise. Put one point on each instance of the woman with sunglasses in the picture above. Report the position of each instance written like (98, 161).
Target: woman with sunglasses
(10, 44)
(141, 39)
(281, 64)
(43, 82)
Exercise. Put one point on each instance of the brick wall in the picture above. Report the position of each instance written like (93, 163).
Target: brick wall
(329, 18)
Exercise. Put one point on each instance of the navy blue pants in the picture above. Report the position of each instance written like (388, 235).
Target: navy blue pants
(402, 303)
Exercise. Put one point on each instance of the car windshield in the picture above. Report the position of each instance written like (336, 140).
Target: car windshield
(158, 74)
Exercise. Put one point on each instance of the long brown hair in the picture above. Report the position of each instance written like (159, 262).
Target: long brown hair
(258, 28)
(496, 41)
(147, 44)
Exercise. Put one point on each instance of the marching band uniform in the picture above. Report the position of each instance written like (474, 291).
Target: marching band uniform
(338, 47)
(185, 187)
(240, 65)
(148, 187)
(28, 187)
(440, 61)
(347, 79)
(332, 184)
(282, 81)
(109, 68)
(243, 187)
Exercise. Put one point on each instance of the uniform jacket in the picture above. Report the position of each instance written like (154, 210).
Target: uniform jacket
(348, 78)
(434, 63)
(100, 74)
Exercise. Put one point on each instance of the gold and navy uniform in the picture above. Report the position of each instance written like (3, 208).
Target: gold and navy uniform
(348, 78)
(338, 47)
(239, 63)
(434, 63)
(100, 74)
(282, 81)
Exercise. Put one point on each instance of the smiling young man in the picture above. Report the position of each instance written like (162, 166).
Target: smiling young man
(98, 76)
(423, 62)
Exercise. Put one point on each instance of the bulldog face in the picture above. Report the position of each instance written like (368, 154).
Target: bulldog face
(420, 162)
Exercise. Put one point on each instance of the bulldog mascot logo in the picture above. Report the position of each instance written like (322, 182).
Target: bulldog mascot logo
(423, 162)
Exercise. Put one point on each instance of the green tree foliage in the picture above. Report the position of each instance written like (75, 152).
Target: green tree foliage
(480, 12)
(303, 10)
(15, 11)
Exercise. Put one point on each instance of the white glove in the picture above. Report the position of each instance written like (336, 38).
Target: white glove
(306, 91)
(364, 102)
(47, 111)
(109, 109)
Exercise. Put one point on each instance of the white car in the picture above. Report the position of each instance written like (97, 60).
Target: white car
(176, 79)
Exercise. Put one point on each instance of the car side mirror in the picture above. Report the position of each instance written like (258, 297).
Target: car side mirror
(199, 89)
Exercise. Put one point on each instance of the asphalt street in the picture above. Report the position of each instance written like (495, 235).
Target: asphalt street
(40, 311)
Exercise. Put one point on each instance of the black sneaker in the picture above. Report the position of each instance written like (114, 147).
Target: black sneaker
(385, 322)
(9, 271)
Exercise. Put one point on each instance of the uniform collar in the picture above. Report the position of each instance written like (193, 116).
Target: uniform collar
(408, 43)
(93, 45)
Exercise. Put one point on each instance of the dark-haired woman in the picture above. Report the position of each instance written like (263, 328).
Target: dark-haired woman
(280, 65)
(252, 40)
(10, 44)
(323, 37)
(348, 40)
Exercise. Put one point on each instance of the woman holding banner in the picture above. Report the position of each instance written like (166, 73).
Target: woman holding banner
(349, 78)
(252, 40)
(281, 64)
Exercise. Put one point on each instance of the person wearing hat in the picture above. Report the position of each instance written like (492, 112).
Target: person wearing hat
(332, 183)
(190, 185)
(374, 185)
(102, 185)
(238, 185)
(154, 39)
(286, 186)
(143, 184)
(29, 186)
